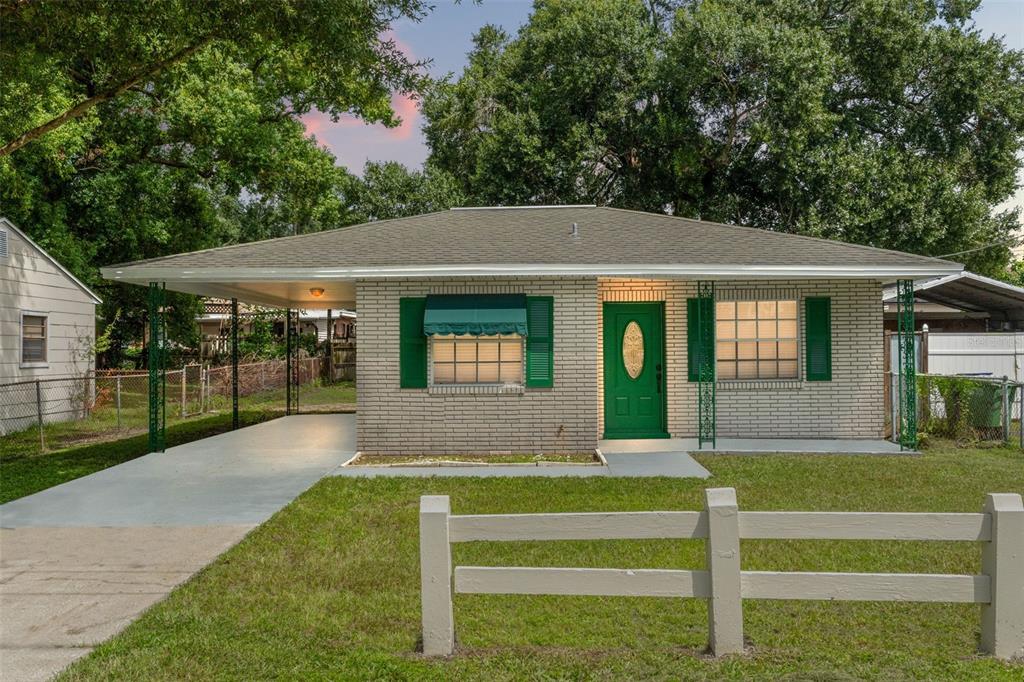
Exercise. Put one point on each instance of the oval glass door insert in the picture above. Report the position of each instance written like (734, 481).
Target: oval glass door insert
(633, 349)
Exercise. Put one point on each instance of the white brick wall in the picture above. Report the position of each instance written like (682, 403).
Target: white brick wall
(567, 418)
(849, 406)
(393, 420)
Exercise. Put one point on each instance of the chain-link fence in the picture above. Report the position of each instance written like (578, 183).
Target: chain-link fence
(966, 409)
(54, 413)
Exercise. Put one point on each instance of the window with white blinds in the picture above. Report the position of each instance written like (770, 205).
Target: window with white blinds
(33, 339)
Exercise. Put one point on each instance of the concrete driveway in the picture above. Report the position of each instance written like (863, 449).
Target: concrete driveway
(80, 561)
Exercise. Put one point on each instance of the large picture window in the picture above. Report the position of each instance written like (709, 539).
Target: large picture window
(756, 340)
(477, 359)
(33, 339)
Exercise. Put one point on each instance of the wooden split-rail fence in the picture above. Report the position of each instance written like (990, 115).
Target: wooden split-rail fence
(999, 588)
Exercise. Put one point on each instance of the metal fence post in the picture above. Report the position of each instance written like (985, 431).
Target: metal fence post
(1002, 560)
(1006, 410)
(183, 391)
(39, 416)
(725, 607)
(1020, 416)
(117, 398)
(436, 576)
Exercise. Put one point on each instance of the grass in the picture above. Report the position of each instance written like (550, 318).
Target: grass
(329, 587)
(574, 458)
(23, 473)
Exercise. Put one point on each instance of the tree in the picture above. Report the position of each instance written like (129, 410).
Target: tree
(325, 54)
(390, 190)
(882, 122)
(205, 151)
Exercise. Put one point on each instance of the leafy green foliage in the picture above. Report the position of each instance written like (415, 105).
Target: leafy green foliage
(390, 190)
(961, 408)
(880, 122)
(203, 151)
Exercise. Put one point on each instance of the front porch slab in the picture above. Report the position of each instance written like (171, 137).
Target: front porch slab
(836, 446)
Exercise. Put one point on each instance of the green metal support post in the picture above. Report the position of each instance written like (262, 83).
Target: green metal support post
(907, 364)
(706, 397)
(157, 368)
(293, 358)
(234, 363)
(288, 361)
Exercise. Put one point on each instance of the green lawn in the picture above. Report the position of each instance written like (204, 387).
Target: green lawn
(329, 587)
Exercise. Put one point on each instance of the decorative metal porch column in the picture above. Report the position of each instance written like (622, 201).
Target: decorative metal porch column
(906, 364)
(292, 378)
(234, 363)
(706, 403)
(157, 368)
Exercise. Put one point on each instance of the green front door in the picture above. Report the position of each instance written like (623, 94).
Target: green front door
(634, 370)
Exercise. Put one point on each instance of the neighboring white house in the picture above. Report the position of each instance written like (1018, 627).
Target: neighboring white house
(215, 324)
(47, 324)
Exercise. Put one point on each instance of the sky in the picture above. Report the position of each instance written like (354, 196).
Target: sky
(445, 37)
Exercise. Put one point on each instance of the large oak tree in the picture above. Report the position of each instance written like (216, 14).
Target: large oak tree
(136, 129)
(893, 123)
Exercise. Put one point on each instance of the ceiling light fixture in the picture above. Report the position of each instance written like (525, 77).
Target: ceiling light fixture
(316, 292)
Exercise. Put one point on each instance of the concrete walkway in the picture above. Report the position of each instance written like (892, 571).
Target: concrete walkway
(643, 464)
(755, 446)
(80, 561)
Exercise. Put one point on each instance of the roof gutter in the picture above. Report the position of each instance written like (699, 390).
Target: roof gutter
(140, 274)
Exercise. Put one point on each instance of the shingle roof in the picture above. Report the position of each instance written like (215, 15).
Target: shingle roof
(538, 236)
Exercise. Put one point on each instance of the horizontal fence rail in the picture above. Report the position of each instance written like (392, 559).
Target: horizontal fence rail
(999, 587)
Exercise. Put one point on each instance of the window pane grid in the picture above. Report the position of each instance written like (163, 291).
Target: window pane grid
(756, 340)
(478, 360)
(33, 338)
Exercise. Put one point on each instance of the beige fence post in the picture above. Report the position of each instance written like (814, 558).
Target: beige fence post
(436, 576)
(1002, 560)
(725, 607)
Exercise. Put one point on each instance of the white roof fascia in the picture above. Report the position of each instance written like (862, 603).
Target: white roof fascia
(89, 292)
(965, 274)
(142, 274)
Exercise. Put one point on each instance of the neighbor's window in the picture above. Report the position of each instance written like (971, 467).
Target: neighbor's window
(756, 340)
(477, 359)
(33, 338)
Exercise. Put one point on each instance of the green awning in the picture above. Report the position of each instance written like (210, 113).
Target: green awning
(475, 314)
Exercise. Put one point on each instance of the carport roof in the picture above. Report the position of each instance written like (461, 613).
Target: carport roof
(971, 292)
(546, 240)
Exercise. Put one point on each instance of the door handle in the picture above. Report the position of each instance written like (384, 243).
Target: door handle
(657, 376)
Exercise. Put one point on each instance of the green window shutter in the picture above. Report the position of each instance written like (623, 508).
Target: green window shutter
(540, 341)
(818, 338)
(412, 354)
(692, 335)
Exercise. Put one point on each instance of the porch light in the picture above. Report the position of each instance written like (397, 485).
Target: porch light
(316, 292)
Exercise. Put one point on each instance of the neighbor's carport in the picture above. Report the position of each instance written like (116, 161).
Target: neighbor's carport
(991, 305)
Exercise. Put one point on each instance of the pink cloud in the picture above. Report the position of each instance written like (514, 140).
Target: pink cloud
(350, 131)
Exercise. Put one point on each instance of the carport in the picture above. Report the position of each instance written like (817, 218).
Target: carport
(965, 302)
(231, 276)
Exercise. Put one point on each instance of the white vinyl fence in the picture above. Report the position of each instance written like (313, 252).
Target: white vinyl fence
(999, 587)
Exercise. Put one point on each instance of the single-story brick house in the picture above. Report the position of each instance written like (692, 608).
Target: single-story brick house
(544, 329)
